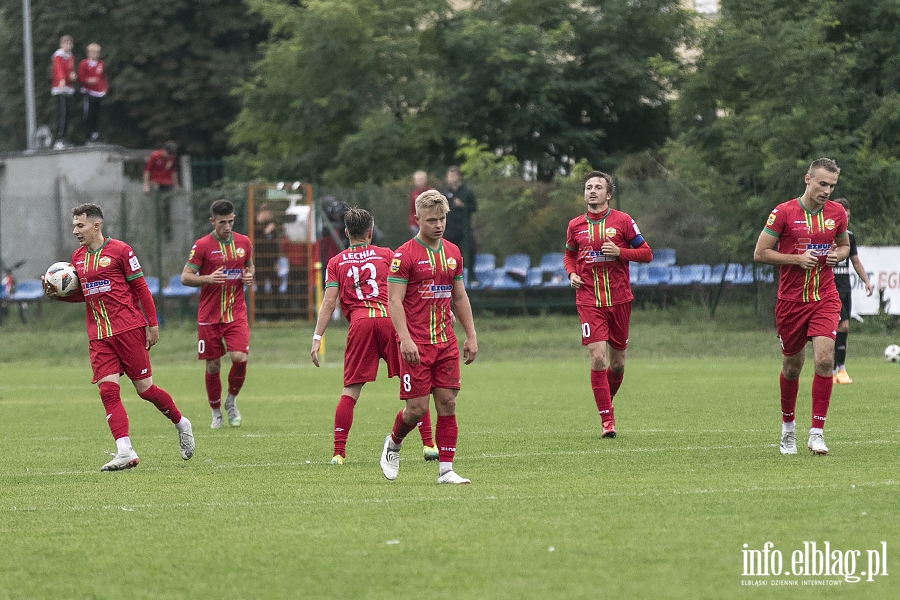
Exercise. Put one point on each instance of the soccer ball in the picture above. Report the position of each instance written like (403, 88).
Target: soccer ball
(892, 353)
(62, 278)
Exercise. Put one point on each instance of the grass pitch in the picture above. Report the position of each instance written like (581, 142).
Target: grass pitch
(553, 511)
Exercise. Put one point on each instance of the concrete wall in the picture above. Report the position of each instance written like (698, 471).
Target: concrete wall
(39, 189)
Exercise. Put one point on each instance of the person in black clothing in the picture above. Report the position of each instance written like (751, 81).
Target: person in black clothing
(842, 283)
(459, 220)
(265, 257)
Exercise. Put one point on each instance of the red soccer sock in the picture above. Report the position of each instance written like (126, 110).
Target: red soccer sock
(236, 377)
(821, 398)
(116, 417)
(163, 402)
(213, 390)
(446, 432)
(788, 397)
(400, 428)
(343, 420)
(600, 387)
(615, 381)
(424, 426)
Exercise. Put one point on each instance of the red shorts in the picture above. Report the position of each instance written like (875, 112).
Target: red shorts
(123, 353)
(369, 340)
(215, 339)
(798, 322)
(438, 368)
(605, 324)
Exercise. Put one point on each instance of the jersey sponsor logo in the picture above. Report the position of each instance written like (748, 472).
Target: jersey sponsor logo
(240, 252)
(451, 263)
(771, 219)
(395, 265)
(90, 288)
(232, 274)
(132, 262)
(829, 224)
(804, 244)
(105, 261)
(596, 256)
(429, 289)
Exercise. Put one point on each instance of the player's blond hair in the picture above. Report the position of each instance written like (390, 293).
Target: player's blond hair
(93, 46)
(432, 200)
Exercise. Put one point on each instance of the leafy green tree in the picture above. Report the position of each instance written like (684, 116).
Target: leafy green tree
(171, 65)
(779, 84)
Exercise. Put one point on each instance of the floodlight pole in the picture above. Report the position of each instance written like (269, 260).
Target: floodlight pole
(30, 120)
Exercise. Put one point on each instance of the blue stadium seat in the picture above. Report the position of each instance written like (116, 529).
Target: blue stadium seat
(28, 289)
(535, 277)
(715, 275)
(557, 278)
(552, 261)
(765, 273)
(733, 272)
(516, 266)
(153, 284)
(176, 289)
(664, 257)
(502, 281)
(656, 274)
(636, 272)
(482, 276)
(746, 275)
(693, 274)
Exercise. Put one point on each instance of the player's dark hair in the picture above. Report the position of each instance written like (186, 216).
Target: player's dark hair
(823, 163)
(843, 202)
(221, 208)
(609, 181)
(91, 211)
(358, 221)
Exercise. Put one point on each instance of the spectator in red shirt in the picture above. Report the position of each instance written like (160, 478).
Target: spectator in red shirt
(61, 86)
(92, 75)
(161, 169)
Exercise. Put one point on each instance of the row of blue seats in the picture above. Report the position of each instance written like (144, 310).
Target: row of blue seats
(32, 289)
(516, 272)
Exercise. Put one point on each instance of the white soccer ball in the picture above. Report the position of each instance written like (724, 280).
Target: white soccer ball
(62, 278)
(892, 353)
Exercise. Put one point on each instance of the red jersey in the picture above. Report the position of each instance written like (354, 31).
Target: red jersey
(605, 278)
(92, 76)
(63, 73)
(160, 167)
(223, 302)
(429, 276)
(105, 274)
(799, 230)
(360, 274)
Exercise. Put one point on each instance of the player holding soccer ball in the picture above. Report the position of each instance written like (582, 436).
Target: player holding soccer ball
(221, 264)
(119, 333)
(599, 246)
(358, 278)
(426, 275)
(806, 237)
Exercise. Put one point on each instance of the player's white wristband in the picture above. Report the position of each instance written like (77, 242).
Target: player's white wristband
(316, 337)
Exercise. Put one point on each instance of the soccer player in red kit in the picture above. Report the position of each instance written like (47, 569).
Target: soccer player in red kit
(806, 237)
(221, 264)
(357, 277)
(599, 246)
(426, 275)
(119, 333)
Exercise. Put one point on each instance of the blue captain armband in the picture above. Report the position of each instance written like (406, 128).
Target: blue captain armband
(636, 241)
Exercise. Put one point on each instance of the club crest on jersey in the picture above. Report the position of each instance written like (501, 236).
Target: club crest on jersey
(395, 265)
(610, 232)
(829, 224)
(105, 261)
(451, 263)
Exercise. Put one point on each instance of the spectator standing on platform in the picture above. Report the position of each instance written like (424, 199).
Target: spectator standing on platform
(161, 169)
(63, 87)
(92, 75)
(420, 184)
(459, 219)
(842, 283)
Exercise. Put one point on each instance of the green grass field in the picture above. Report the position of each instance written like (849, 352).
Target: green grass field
(662, 511)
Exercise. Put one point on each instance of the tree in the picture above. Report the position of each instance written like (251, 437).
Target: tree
(171, 64)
